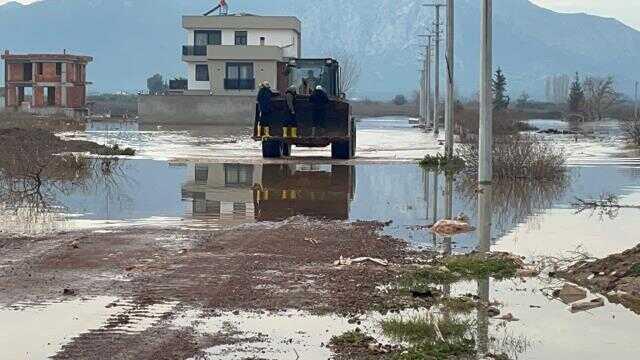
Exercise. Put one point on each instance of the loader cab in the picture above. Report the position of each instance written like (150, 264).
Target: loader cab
(306, 74)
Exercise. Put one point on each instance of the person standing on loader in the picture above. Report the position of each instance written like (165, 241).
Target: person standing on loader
(290, 128)
(266, 109)
(319, 101)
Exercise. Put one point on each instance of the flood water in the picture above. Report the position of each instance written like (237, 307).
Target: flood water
(196, 190)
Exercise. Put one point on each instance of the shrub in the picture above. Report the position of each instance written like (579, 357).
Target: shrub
(399, 100)
(518, 157)
(440, 162)
(631, 130)
(115, 150)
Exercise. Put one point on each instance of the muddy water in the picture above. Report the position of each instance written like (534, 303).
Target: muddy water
(204, 193)
(530, 219)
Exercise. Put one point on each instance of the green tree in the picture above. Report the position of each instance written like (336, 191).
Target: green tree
(523, 101)
(500, 98)
(156, 84)
(576, 96)
(399, 100)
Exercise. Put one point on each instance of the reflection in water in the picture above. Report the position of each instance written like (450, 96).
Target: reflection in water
(31, 191)
(511, 201)
(270, 192)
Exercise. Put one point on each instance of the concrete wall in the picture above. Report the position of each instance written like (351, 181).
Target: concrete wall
(197, 110)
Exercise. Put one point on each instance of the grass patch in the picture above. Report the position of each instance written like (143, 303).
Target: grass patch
(421, 333)
(440, 162)
(459, 305)
(459, 268)
(355, 338)
(438, 351)
(473, 267)
(635, 270)
(115, 150)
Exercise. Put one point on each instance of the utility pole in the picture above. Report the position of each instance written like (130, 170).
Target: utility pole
(637, 112)
(436, 95)
(485, 166)
(421, 111)
(429, 117)
(449, 111)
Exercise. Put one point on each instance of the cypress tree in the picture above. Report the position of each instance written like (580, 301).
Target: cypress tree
(500, 98)
(576, 96)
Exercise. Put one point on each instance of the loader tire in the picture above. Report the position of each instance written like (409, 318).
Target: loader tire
(271, 149)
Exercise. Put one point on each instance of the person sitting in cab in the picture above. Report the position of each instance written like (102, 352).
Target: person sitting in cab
(319, 101)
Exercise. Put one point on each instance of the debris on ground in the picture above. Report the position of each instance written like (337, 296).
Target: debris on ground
(508, 317)
(348, 261)
(616, 276)
(586, 305)
(69, 292)
(493, 311)
(451, 227)
(570, 293)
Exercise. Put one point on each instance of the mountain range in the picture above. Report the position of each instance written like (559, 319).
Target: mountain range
(131, 40)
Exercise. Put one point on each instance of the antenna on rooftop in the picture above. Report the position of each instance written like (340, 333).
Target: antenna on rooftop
(222, 6)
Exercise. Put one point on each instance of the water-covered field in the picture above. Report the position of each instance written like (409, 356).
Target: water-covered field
(213, 179)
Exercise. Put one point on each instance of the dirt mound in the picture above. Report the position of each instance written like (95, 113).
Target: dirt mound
(616, 276)
(45, 140)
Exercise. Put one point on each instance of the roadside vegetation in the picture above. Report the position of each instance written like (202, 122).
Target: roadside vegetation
(631, 130)
(440, 162)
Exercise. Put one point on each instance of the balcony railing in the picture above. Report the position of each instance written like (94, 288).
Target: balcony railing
(239, 84)
(178, 84)
(194, 50)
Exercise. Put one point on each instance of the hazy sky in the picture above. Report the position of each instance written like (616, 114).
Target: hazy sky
(627, 11)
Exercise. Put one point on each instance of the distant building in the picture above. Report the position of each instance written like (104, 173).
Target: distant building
(557, 88)
(231, 55)
(46, 83)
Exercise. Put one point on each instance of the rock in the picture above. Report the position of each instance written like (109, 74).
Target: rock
(493, 311)
(428, 294)
(528, 272)
(508, 317)
(570, 294)
(587, 305)
(451, 227)
(69, 292)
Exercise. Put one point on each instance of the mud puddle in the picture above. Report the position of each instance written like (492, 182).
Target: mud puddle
(41, 330)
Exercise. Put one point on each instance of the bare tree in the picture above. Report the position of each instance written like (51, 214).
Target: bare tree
(600, 95)
(350, 69)
(631, 130)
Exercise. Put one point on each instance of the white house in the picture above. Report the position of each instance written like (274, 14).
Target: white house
(231, 55)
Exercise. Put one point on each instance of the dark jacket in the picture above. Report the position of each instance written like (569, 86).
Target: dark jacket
(319, 101)
(290, 97)
(264, 100)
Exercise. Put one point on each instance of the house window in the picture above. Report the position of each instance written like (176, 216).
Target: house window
(241, 38)
(27, 72)
(262, 41)
(58, 69)
(207, 37)
(238, 175)
(202, 174)
(40, 70)
(240, 77)
(202, 72)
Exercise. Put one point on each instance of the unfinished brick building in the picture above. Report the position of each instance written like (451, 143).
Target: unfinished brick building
(46, 83)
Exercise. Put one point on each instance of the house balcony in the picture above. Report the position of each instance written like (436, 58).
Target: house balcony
(194, 53)
(244, 52)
